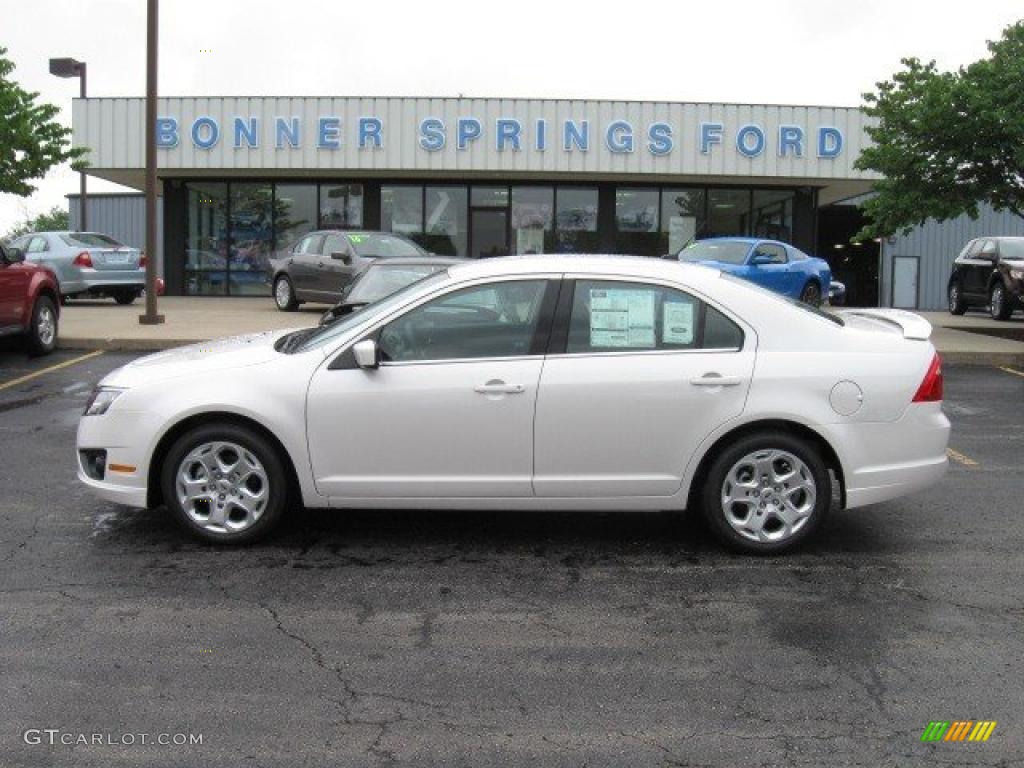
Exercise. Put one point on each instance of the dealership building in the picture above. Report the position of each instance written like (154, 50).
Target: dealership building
(242, 178)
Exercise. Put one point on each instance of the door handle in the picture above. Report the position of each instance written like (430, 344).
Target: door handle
(499, 388)
(716, 380)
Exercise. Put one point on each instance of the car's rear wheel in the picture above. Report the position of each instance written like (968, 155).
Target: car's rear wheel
(766, 493)
(284, 295)
(42, 330)
(998, 305)
(225, 483)
(126, 297)
(811, 294)
(957, 305)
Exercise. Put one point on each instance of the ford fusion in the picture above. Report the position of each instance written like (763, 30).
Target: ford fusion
(574, 382)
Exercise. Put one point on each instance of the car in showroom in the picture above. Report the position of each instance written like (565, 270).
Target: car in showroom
(836, 293)
(320, 265)
(534, 382)
(988, 273)
(88, 264)
(29, 301)
(382, 278)
(772, 264)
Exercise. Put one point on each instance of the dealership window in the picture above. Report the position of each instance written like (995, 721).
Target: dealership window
(252, 238)
(401, 209)
(533, 219)
(445, 230)
(636, 221)
(341, 206)
(206, 242)
(576, 220)
(728, 212)
(489, 197)
(294, 213)
(773, 214)
(682, 217)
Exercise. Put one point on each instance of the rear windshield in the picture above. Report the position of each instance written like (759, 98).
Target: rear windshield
(89, 240)
(725, 251)
(383, 246)
(779, 297)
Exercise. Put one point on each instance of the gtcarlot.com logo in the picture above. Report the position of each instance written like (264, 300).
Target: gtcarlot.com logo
(958, 730)
(57, 737)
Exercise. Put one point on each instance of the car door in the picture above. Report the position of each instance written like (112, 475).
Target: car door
(449, 411)
(776, 274)
(978, 268)
(644, 373)
(337, 266)
(12, 292)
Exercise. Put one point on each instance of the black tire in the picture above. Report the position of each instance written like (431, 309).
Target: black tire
(42, 330)
(711, 495)
(126, 297)
(957, 305)
(811, 293)
(998, 306)
(266, 453)
(284, 294)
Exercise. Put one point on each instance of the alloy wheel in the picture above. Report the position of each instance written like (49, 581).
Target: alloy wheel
(46, 326)
(768, 495)
(222, 487)
(283, 293)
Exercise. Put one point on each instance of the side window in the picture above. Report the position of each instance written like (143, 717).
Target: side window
(775, 252)
(310, 245)
(494, 320)
(21, 242)
(620, 317)
(37, 245)
(335, 244)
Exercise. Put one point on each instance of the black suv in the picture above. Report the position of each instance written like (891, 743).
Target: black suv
(989, 272)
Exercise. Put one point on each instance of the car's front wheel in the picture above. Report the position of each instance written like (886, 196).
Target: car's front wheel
(225, 483)
(284, 295)
(811, 294)
(998, 305)
(766, 492)
(957, 305)
(42, 331)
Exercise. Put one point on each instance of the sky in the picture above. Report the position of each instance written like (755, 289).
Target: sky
(774, 51)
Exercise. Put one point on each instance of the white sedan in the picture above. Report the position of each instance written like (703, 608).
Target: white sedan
(572, 382)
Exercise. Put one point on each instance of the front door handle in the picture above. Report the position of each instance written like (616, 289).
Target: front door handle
(716, 380)
(499, 388)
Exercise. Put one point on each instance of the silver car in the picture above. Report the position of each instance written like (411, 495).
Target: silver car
(88, 263)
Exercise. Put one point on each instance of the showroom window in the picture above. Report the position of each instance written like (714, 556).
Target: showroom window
(728, 212)
(341, 206)
(773, 214)
(683, 218)
(252, 238)
(636, 221)
(294, 213)
(533, 219)
(401, 209)
(576, 220)
(445, 230)
(206, 242)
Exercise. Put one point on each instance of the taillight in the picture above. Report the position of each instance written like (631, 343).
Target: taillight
(142, 261)
(930, 390)
(83, 259)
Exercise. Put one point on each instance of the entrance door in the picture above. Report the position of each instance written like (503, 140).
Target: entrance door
(904, 282)
(488, 232)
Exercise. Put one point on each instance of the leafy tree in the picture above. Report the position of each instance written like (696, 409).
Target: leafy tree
(947, 142)
(56, 219)
(31, 141)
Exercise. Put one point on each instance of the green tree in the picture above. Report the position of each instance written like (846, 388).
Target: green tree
(947, 142)
(31, 140)
(55, 220)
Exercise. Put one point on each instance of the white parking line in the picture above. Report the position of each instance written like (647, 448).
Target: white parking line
(44, 371)
(960, 458)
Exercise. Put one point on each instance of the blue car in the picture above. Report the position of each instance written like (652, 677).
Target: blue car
(771, 264)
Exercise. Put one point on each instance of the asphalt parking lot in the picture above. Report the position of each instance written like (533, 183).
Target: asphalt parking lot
(472, 639)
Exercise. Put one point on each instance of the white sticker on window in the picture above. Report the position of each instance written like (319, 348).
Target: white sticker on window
(621, 318)
(677, 323)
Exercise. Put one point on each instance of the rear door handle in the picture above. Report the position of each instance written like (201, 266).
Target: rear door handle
(716, 380)
(499, 388)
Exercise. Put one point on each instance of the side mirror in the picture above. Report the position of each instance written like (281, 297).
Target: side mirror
(14, 255)
(365, 353)
(341, 256)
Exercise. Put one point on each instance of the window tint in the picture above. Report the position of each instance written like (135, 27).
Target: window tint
(620, 316)
(494, 320)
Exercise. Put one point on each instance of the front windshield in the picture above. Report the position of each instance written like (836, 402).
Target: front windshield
(382, 280)
(383, 246)
(1012, 249)
(337, 329)
(725, 251)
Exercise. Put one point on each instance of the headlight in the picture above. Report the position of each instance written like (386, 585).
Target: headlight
(100, 400)
(1017, 274)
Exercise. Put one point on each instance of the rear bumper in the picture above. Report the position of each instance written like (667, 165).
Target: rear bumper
(101, 281)
(883, 461)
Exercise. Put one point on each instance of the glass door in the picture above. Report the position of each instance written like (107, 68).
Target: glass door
(488, 232)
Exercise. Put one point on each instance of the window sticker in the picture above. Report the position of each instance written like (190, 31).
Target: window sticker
(621, 318)
(677, 322)
(357, 238)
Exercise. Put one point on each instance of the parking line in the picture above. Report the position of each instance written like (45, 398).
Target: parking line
(57, 367)
(1014, 371)
(960, 458)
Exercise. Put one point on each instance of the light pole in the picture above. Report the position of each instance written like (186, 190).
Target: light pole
(73, 68)
(152, 17)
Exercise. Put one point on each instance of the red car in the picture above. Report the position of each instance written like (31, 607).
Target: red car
(29, 304)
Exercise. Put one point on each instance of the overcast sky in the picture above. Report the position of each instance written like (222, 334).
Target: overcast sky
(772, 51)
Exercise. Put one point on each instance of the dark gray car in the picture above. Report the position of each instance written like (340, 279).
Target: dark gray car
(321, 264)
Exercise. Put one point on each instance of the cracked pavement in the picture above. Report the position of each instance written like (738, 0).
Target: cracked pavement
(493, 639)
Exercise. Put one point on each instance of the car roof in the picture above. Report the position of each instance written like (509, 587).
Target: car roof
(603, 264)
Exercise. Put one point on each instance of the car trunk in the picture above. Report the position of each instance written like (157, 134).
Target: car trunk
(108, 259)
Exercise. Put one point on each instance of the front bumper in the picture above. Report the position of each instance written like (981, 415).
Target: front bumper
(122, 435)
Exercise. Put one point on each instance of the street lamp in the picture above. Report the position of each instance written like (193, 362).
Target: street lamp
(73, 68)
(151, 317)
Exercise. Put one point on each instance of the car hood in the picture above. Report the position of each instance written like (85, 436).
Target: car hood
(197, 359)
